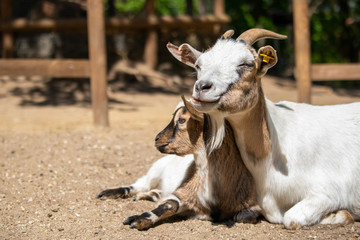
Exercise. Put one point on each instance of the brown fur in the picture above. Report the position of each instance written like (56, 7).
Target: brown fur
(232, 188)
(231, 183)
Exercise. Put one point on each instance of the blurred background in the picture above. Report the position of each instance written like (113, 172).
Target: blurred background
(335, 27)
(137, 31)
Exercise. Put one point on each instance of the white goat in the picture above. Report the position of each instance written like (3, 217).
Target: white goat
(305, 159)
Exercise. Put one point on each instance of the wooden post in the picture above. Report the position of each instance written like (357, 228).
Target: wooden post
(97, 54)
(219, 8)
(151, 44)
(7, 37)
(189, 7)
(302, 50)
(219, 12)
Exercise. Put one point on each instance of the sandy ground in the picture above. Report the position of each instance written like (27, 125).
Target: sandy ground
(53, 162)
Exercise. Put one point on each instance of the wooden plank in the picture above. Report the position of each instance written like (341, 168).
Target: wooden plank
(332, 72)
(7, 37)
(113, 24)
(302, 50)
(46, 68)
(26, 25)
(97, 53)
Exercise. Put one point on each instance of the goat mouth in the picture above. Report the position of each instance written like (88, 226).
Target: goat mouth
(162, 148)
(198, 101)
(203, 106)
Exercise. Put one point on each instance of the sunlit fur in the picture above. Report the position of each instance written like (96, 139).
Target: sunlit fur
(305, 159)
(163, 178)
(220, 63)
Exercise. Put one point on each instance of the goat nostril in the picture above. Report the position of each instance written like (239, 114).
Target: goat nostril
(203, 86)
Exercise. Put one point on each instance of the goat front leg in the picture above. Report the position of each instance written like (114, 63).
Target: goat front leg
(249, 215)
(121, 192)
(313, 210)
(152, 195)
(146, 220)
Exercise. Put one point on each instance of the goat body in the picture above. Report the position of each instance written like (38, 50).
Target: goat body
(217, 187)
(305, 159)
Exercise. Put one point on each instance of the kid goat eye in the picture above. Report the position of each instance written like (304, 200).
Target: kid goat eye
(181, 120)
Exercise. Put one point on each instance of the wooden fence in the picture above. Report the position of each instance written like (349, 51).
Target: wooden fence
(305, 72)
(97, 26)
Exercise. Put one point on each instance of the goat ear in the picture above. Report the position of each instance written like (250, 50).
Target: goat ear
(194, 114)
(185, 53)
(267, 59)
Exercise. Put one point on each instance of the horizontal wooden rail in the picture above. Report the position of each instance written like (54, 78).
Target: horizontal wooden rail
(76, 24)
(47, 68)
(333, 72)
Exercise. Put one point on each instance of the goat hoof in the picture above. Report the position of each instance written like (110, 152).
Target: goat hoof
(293, 226)
(100, 195)
(139, 222)
(122, 192)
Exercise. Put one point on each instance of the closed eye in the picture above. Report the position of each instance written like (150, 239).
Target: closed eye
(241, 68)
(246, 65)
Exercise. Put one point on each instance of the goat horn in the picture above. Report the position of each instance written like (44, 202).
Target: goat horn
(253, 35)
(227, 34)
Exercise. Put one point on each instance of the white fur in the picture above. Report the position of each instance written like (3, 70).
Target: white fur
(205, 194)
(166, 174)
(219, 65)
(314, 166)
(217, 132)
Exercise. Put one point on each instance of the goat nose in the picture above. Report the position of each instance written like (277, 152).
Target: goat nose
(203, 86)
(157, 137)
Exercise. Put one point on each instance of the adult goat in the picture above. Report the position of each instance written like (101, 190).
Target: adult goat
(305, 159)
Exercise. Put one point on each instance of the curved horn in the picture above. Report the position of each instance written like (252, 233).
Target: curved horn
(253, 35)
(227, 34)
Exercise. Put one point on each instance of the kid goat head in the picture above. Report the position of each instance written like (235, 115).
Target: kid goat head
(228, 74)
(184, 132)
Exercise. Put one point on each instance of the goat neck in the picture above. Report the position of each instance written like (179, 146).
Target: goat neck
(252, 131)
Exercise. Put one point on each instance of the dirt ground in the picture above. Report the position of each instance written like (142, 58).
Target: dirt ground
(53, 162)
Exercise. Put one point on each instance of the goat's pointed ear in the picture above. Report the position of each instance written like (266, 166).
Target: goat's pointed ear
(185, 53)
(194, 114)
(267, 59)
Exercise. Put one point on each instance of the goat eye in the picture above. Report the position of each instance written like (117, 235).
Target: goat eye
(197, 67)
(245, 65)
(182, 120)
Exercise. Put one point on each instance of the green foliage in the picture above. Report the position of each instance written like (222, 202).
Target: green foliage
(162, 7)
(168, 7)
(133, 7)
(331, 39)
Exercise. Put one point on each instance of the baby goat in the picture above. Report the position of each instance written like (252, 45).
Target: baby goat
(217, 187)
